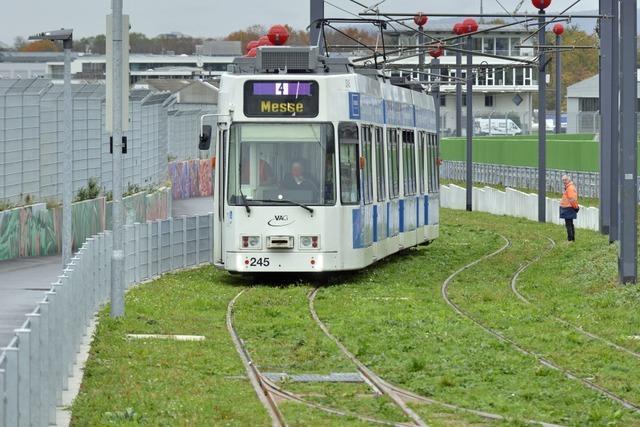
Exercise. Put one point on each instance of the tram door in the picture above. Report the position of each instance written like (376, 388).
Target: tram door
(219, 196)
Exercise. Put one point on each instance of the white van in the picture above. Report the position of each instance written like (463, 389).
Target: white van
(497, 126)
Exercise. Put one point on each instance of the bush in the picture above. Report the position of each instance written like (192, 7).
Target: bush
(90, 192)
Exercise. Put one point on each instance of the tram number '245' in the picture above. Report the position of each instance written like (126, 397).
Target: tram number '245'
(259, 262)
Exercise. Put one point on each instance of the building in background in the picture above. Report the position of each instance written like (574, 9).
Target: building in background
(502, 88)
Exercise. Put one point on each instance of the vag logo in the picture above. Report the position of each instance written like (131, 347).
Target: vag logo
(280, 221)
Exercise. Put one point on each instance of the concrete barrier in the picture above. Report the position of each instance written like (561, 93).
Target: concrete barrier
(514, 203)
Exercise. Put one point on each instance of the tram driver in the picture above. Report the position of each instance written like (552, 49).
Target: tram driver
(297, 180)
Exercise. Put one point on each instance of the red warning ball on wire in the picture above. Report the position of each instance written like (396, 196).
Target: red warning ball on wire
(458, 29)
(252, 53)
(436, 52)
(264, 41)
(252, 45)
(541, 4)
(470, 25)
(278, 35)
(420, 19)
(558, 29)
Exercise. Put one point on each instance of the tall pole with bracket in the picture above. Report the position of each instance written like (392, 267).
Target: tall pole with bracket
(542, 110)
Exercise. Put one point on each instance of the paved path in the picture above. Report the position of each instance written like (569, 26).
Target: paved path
(23, 283)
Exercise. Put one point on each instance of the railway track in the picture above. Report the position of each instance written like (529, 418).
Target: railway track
(270, 393)
(395, 392)
(521, 297)
(542, 360)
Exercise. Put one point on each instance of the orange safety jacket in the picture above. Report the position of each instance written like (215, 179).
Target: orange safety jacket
(570, 196)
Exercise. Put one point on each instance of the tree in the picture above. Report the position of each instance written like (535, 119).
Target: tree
(577, 64)
(19, 42)
(253, 32)
(41, 46)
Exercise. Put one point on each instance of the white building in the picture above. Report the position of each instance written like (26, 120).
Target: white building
(502, 87)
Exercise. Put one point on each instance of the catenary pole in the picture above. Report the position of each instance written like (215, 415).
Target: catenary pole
(606, 113)
(458, 94)
(117, 257)
(558, 84)
(542, 122)
(67, 158)
(469, 178)
(614, 131)
(628, 191)
(317, 13)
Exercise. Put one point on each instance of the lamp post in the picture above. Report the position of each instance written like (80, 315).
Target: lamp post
(66, 37)
(436, 53)
(458, 30)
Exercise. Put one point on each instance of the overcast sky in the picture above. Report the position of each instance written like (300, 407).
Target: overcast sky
(210, 18)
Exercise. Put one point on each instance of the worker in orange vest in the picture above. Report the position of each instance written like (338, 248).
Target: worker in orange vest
(569, 207)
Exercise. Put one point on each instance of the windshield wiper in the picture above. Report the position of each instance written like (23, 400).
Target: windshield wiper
(303, 206)
(244, 202)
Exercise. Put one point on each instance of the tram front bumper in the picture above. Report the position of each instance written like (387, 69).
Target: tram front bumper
(285, 261)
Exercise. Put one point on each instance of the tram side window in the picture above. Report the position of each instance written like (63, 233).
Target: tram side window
(434, 175)
(381, 175)
(422, 142)
(394, 164)
(367, 142)
(349, 167)
(409, 162)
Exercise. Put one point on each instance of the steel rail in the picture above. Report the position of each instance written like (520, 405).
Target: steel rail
(371, 376)
(399, 391)
(541, 359)
(266, 389)
(255, 377)
(521, 297)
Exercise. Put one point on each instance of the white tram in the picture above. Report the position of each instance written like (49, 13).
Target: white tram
(318, 167)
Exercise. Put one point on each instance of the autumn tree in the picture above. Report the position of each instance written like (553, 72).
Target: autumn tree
(253, 32)
(41, 46)
(577, 64)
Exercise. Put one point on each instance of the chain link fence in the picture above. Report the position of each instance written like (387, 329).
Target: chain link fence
(36, 365)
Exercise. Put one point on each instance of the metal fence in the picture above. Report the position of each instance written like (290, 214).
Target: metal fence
(31, 112)
(588, 183)
(36, 365)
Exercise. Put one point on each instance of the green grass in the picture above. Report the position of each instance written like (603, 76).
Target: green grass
(394, 319)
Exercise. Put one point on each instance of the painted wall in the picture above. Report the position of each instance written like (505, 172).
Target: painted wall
(37, 230)
(191, 178)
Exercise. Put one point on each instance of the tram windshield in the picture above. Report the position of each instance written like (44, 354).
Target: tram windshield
(271, 162)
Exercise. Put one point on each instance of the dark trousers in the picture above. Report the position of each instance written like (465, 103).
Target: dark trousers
(571, 230)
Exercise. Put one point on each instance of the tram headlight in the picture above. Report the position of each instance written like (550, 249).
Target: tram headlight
(251, 242)
(309, 242)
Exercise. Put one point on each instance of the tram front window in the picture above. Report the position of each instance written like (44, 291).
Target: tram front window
(281, 162)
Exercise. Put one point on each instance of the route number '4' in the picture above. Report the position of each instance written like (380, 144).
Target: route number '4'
(261, 262)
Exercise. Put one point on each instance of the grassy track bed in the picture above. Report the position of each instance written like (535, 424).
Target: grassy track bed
(163, 382)
(281, 337)
(485, 292)
(579, 284)
(397, 323)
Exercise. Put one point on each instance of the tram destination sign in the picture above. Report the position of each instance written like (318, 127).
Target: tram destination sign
(281, 98)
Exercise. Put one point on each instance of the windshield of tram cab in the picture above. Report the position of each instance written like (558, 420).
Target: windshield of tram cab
(281, 161)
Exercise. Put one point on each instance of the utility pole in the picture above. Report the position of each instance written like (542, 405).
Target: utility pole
(66, 36)
(435, 89)
(542, 120)
(317, 13)
(607, 105)
(117, 105)
(458, 94)
(628, 191)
